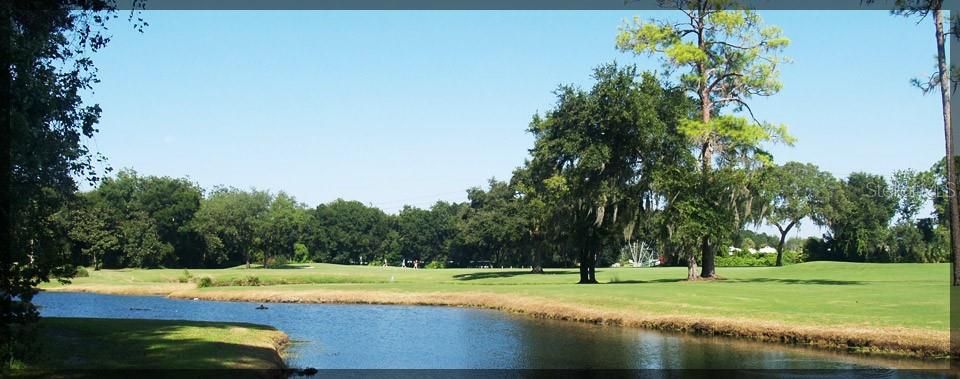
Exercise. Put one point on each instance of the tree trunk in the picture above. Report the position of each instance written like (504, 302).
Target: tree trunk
(948, 137)
(592, 269)
(588, 263)
(783, 238)
(780, 249)
(709, 267)
(584, 277)
(709, 260)
(706, 155)
(537, 262)
(536, 257)
(692, 268)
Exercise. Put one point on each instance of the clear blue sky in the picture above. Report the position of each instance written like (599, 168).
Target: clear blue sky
(393, 108)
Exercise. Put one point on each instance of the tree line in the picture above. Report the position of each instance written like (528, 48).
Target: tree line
(131, 220)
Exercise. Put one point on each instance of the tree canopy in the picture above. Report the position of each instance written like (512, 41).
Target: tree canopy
(726, 56)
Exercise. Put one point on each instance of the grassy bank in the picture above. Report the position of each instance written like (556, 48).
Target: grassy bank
(900, 308)
(92, 343)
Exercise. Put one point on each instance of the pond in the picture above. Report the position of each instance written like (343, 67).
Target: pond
(332, 336)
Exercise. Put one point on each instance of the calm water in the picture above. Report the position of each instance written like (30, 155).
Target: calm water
(372, 336)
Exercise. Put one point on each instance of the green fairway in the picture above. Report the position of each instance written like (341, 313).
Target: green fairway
(90, 343)
(816, 293)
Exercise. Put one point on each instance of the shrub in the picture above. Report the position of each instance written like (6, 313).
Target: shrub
(300, 253)
(81, 272)
(740, 261)
(277, 262)
(205, 281)
(435, 264)
(792, 257)
(758, 260)
(246, 281)
(185, 278)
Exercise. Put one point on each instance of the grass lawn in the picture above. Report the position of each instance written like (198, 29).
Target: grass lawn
(909, 298)
(92, 343)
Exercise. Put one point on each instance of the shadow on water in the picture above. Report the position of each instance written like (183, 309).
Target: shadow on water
(507, 274)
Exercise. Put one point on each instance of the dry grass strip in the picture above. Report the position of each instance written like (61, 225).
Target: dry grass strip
(152, 289)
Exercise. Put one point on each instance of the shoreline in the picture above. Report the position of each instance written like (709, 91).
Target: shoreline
(904, 342)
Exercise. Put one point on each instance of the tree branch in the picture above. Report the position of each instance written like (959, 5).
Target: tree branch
(724, 43)
(742, 104)
(721, 78)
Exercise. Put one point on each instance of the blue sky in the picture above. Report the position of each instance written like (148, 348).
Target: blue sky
(410, 107)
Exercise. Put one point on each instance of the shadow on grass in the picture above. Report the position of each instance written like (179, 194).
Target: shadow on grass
(85, 344)
(292, 266)
(797, 281)
(751, 280)
(507, 274)
(668, 280)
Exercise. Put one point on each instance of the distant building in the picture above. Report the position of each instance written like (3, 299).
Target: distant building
(767, 250)
(733, 250)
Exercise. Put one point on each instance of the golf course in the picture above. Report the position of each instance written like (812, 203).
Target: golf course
(898, 309)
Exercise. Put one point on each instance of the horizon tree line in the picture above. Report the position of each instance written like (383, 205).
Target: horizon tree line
(148, 222)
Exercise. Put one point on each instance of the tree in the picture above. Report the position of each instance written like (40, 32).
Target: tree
(692, 212)
(858, 213)
(342, 231)
(157, 211)
(445, 216)
(389, 250)
(493, 226)
(282, 228)
(601, 147)
(425, 234)
(541, 207)
(911, 190)
(729, 56)
(92, 228)
(47, 69)
(906, 244)
(227, 222)
(171, 204)
(941, 80)
(797, 190)
(141, 244)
